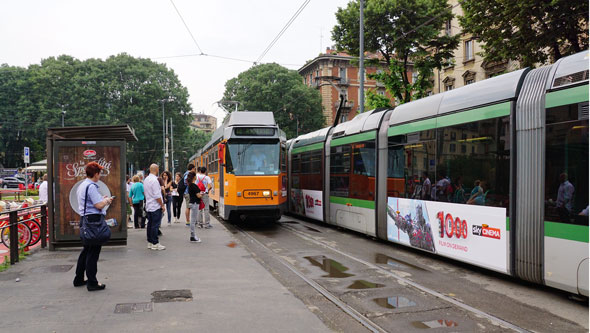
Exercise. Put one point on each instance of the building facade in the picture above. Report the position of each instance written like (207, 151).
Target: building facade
(332, 72)
(467, 66)
(204, 123)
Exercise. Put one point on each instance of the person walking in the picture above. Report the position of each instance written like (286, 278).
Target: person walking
(43, 189)
(154, 206)
(191, 168)
(137, 196)
(167, 180)
(176, 198)
(92, 205)
(205, 218)
(194, 202)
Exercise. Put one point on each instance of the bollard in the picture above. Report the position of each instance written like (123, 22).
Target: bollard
(44, 226)
(13, 237)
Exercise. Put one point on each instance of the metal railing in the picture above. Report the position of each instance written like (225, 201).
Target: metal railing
(17, 217)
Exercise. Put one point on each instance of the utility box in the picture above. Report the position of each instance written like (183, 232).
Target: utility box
(69, 149)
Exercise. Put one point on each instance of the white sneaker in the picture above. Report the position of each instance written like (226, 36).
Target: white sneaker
(158, 247)
(150, 246)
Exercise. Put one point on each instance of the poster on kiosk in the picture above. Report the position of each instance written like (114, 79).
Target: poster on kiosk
(469, 233)
(71, 158)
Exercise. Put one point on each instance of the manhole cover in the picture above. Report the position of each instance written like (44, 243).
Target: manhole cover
(162, 296)
(52, 269)
(134, 307)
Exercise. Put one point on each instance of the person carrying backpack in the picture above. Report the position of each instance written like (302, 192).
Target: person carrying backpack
(183, 190)
(204, 183)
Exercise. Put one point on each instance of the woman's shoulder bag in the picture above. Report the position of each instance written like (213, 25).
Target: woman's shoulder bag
(93, 233)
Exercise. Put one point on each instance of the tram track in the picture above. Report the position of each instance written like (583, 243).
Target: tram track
(493, 319)
(364, 319)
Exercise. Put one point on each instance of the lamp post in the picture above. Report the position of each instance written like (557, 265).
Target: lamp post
(63, 116)
(164, 134)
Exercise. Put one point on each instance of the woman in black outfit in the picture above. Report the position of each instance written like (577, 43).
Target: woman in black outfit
(177, 197)
(90, 204)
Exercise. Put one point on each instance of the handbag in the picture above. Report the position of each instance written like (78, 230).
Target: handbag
(93, 233)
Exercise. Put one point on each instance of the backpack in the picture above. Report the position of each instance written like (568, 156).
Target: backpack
(181, 187)
(201, 185)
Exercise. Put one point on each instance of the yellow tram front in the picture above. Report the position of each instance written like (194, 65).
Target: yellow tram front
(251, 172)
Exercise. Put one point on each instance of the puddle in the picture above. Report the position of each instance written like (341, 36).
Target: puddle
(312, 229)
(232, 244)
(394, 302)
(362, 284)
(441, 323)
(162, 296)
(387, 260)
(332, 267)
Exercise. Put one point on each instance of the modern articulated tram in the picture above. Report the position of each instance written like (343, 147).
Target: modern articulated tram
(246, 161)
(494, 174)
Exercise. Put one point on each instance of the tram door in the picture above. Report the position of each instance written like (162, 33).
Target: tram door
(221, 205)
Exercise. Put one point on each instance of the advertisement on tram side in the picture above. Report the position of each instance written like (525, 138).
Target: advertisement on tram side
(469, 233)
(307, 203)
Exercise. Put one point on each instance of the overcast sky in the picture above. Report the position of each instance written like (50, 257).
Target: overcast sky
(34, 30)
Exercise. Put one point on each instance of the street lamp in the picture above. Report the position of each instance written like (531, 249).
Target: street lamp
(63, 116)
(164, 147)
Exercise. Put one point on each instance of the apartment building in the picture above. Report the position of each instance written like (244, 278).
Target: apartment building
(332, 72)
(204, 122)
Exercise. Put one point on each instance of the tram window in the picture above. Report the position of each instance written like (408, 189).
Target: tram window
(339, 170)
(566, 166)
(305, 162)
(283, 159)
(363, 154)
(316, 162)
(480, 177)
(295, 163)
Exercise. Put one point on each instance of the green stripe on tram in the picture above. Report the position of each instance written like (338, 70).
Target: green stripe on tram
(302, 149)
(507, 224)
(354, 138)
(469, 116)
(567, 96)
(354, 202)
(578, 233)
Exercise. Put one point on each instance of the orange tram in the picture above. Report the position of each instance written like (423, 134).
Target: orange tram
(246, 161)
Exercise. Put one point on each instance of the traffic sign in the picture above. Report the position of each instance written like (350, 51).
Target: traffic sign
(27, 160)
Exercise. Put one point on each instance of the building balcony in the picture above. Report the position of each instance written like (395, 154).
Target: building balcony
(347, 105)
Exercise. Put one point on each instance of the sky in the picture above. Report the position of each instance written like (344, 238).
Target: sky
(32, 30)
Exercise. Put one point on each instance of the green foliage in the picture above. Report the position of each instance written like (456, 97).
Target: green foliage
(374, 100)
(118, 90)
(271, 87)
(530, 31)
(394, 30)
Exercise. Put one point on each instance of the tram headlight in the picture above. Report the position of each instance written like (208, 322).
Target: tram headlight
(266, 193)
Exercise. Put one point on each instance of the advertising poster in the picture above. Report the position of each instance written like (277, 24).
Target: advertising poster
(469, 233)
(70, 172)
(313, 204)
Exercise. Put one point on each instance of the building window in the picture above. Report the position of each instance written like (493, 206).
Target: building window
(469, 81)
(343, 73)
(414, 76)
(448, 86)
(469, 50)
(381, 92)
(448, 28)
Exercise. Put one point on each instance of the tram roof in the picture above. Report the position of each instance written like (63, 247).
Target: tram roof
(250, 118)
(569, 70)
(363, 122)
(491, 91)
(310, 138)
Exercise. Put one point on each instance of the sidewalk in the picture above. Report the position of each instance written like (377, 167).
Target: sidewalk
(231, 291)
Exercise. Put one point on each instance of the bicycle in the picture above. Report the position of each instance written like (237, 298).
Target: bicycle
(24, 234)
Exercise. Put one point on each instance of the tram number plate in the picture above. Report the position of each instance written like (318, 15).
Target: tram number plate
(252, 194)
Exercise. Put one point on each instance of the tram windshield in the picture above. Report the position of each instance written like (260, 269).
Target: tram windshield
(253, 158)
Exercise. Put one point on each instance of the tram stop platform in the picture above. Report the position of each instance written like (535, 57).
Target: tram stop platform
(213, 286)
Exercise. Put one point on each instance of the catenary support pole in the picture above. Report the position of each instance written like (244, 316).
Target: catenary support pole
(362, 60)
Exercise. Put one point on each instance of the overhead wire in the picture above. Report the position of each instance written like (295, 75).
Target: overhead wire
(273, 42)
(187, 28)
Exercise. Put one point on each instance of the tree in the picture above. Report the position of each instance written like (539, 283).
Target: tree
(271, 87)
(530, 31)
(403, 33)
(119, 90)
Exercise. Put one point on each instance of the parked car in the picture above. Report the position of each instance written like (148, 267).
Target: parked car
(12, 182)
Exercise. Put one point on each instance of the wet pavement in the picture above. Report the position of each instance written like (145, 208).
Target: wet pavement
(213, 286)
